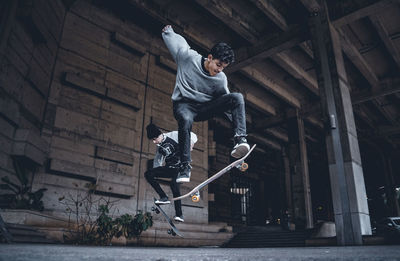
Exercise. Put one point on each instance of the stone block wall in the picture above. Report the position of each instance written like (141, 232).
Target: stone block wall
(86, 83)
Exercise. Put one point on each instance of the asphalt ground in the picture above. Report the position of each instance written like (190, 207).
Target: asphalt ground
(21, 252)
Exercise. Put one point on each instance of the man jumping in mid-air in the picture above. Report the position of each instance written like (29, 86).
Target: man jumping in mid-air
(201, 92)
(166, 165)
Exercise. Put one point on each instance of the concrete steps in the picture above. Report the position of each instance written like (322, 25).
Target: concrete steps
(26, 234)
(267, 237)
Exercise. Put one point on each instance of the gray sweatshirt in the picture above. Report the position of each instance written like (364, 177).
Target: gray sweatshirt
(192, 82)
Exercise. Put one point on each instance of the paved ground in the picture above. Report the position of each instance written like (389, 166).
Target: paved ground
(22, 252)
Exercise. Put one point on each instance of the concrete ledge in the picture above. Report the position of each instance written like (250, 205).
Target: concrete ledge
(195, 235)
(331, 241)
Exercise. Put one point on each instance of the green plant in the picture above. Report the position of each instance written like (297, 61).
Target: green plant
(21, 196)
(92, 224)
(133, 226)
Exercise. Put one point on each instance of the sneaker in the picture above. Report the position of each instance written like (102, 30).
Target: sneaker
(184, 173)
(179, 218)
(162, 201)
(241, 147)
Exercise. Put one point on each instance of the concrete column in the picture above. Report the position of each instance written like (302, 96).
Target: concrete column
(346, 174)
(299, 168)
(288, 182)
(390, 187)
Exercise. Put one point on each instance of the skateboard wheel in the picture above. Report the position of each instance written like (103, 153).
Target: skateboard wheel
(196, 198)
(173, 233)
(169, 231)
(157, 211)
(153, 209)
(244, 166)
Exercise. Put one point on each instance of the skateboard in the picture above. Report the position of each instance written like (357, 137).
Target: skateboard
(173, 230)
(195, 192)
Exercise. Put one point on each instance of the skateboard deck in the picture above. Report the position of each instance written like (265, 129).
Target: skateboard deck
(195, 192)
(173, 230)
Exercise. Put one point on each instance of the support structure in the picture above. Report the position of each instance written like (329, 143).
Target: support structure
(345, 169)
(299, 171)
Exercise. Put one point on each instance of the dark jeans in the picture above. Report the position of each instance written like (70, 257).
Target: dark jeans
(165, 172)
(186, 112)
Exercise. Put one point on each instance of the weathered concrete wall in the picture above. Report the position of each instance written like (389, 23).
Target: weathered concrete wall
(87, 90)
(27, 57)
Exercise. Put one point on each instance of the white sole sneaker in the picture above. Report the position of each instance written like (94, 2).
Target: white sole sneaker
(178, 219)
(182, 180)
(240, 150)
(162, 202)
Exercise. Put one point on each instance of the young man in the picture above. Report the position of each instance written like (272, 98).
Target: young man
(201, 91)
(168, 153)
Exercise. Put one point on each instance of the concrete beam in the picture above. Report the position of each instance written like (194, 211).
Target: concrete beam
(233, 20)
(357, 59)
(385, 87)
(165, 18)
(384, 35)
(296, 71)
(271, 85)
(345, 12)
(277, 43)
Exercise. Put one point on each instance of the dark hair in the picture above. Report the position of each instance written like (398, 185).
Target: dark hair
(152, 131)
(223, 52)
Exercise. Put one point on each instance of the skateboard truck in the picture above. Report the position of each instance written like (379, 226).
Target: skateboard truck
(196, 196)
(155, 210)
(172, 230)
(242, 166)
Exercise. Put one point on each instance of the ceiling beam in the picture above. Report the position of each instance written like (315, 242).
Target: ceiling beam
(262, 140)
(283, 60)
(358, 60)
(233, 20)
(270, 85)
(384, 35)
(279, 20)
(165, 17)
(274, 15)
(365, 69)
(296, 71)
(386, 87)
(259, 103)
(345, 12)
(246, 56)
(304, 112)
(279, 133)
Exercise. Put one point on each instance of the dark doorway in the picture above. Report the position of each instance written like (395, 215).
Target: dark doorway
(244, 194)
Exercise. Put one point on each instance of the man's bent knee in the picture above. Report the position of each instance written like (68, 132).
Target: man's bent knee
(237, 98)
(185, 121)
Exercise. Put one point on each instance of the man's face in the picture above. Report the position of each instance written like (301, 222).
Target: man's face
(158, 139)
(215, 66)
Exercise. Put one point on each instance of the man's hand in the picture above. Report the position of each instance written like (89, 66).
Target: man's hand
(166, 27)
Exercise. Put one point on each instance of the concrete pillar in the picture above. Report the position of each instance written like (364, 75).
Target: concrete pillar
(345, 169)
(390, 187)
(299, 169)
(288, 182)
